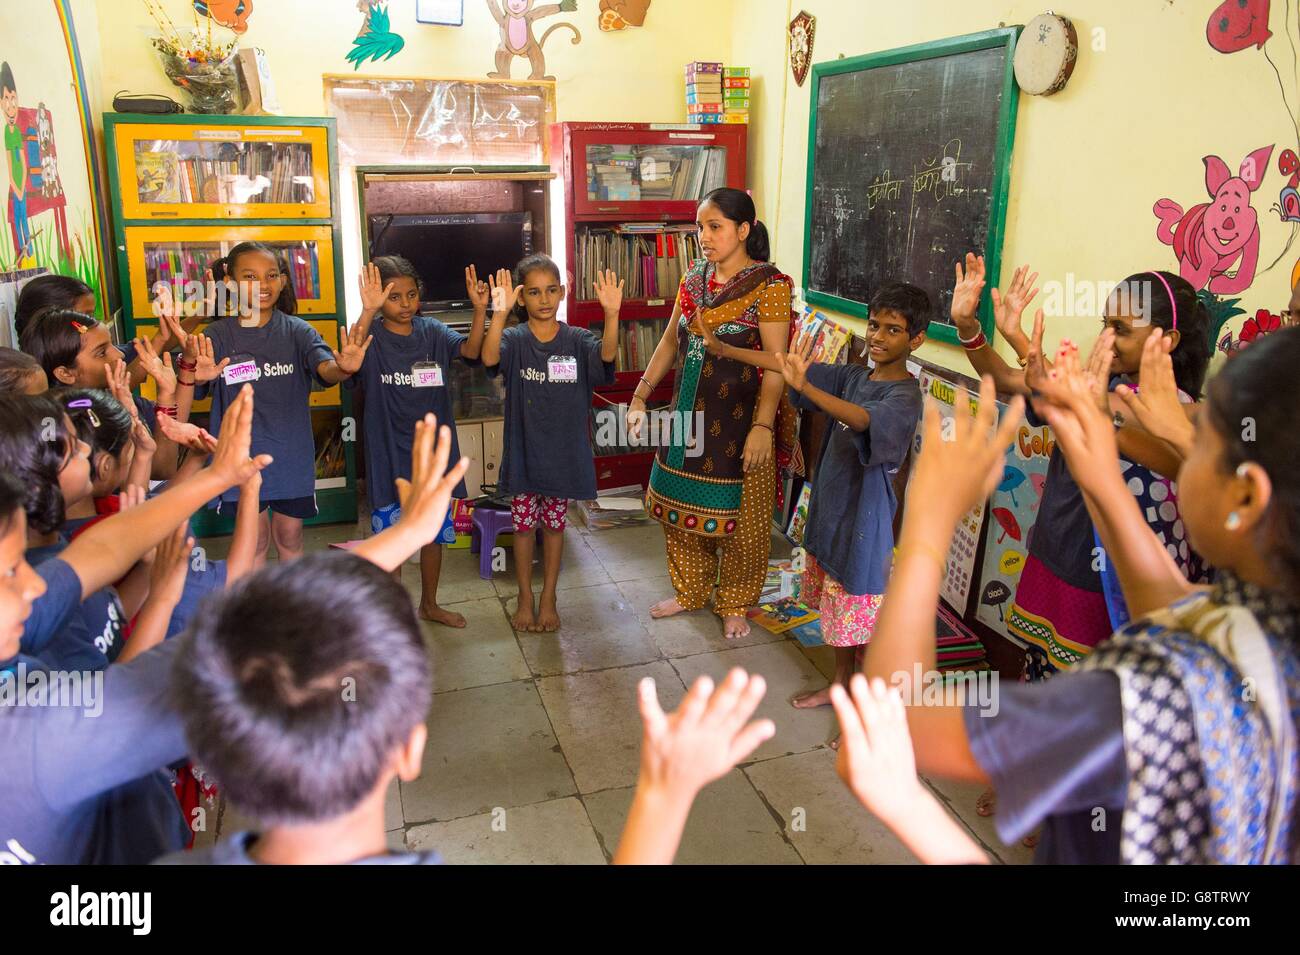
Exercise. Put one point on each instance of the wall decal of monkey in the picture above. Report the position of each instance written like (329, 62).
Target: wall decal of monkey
(516, 24)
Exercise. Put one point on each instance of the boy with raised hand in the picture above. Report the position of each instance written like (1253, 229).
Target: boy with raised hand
(81, 780)
(306, 716)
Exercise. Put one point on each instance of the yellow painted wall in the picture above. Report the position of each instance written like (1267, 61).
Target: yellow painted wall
(633, 76)
(1130, 128)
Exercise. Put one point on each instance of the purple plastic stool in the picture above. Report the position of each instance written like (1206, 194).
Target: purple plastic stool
(489, 522)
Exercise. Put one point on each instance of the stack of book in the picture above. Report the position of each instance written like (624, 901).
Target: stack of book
(704, 92)
(735, 94)
(650, 258)
(249, 173)
(613, 174)
(637, 341)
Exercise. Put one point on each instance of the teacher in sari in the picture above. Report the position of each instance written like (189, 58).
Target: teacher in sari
(713, 483)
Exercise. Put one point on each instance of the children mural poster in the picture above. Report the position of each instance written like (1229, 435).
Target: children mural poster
(48, 207)
(1013, 508)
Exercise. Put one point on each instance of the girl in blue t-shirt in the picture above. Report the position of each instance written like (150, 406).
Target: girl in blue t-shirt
(283, 357)
(406, 375)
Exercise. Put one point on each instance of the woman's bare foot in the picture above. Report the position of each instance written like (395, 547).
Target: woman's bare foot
(666, 608)
(808, 701)
(523, 618)
(1030, 842)
(835, 743)
(987, 803)
(548, 616)
(734, 626)
(448, 618)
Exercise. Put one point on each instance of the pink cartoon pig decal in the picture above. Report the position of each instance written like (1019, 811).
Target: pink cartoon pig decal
(1211, 237)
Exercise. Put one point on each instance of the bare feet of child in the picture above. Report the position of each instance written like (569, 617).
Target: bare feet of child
(808, 701)
(447, 618)
(666, 608)
(987, 803)
(735, 626)
(523, 618)
(548, 616)
(835, 744)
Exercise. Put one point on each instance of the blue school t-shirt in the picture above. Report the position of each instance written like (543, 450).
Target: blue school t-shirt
(92, 637)
(1054, 752)
(394, 404)
(148, 412)
(234, 849)
(287, 352)
(851, 510)
(53, 610)
(547, 416)
(81, 787)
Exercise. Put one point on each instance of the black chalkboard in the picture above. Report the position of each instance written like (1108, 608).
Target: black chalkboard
(909, 161)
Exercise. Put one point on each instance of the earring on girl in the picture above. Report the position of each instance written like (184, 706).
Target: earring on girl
(1233, 521)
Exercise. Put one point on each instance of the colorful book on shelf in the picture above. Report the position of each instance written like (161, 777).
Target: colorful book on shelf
(736, 83)
(700, 66)
(703, 108)
(799, 516)
(735, 118)
(735, 72)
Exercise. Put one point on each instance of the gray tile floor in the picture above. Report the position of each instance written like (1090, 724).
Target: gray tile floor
(534, 738)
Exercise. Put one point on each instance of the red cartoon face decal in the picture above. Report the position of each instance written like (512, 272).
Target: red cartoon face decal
(229, 13)
(1237, 24)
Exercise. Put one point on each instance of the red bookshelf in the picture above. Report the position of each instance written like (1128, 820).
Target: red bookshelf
(650, 174)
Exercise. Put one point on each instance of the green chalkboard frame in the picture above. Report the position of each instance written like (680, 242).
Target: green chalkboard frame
(1005, 37)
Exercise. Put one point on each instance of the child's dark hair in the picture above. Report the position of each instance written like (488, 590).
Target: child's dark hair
(393, 267)
(737, 206)
(15, 368)
(7, 78)
(296, 713)
(1192, 356)
(53, 338)
(34, 443)
(47, 292)
(1258, 383)
(104, 425)
(907, 300)
(537, 262)
(224, 267)
(12, 495)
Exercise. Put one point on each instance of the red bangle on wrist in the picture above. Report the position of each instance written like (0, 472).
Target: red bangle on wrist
(168, 411)
(184, 365)
(976, 343)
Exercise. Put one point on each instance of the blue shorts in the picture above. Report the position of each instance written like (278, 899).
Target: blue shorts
(382, 518)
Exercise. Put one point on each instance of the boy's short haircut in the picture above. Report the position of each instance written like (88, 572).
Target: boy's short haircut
(905, 299)
(7, 78)
(297, 684)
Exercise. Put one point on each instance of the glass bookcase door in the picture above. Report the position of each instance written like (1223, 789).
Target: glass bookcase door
(177, 171)
(180, 256)
(652, 172)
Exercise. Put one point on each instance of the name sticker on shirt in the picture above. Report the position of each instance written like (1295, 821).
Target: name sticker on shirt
(562, 368)
(239, 372)
(426, 374)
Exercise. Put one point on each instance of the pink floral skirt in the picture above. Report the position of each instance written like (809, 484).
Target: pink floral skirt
(847, 619)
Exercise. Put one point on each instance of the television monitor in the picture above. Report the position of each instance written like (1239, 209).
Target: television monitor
(441, 245)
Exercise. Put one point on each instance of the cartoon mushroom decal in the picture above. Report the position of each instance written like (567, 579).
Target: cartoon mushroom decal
(1007, 521)
(1012, 478)
(996, 593)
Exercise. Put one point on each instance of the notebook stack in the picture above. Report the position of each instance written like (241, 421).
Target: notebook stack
(613, 174)
(735, 94)
(704, 92)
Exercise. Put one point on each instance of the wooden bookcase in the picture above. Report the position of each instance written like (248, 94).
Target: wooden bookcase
(589, 158)
(186, 189)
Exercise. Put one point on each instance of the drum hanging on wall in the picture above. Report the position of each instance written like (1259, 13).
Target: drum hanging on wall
(1045, 54)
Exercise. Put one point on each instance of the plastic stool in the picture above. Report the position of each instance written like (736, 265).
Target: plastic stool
(489, 523)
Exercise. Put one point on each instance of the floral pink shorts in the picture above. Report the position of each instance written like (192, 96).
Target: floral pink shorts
(528, 509)
(847, 619)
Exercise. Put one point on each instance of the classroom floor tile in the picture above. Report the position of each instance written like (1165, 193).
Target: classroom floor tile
(540, 733)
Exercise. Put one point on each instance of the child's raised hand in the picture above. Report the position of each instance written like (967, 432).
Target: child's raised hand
(710, 733)
(479, 293)
(966, 290)
(170, 564)
(1036, 367)
(795, 362)
(206, 368)
(427, 496)
(159, 369)
(373, 290)
(1157, 406)
(961, 458)
(230, 459)
(1085, 434)
(118, 383)
(353, 354)
(186, 434)
(503, 293)
(1008, 308)
(609, 294)
(163, 305)
(875, 757)
(142, 439)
